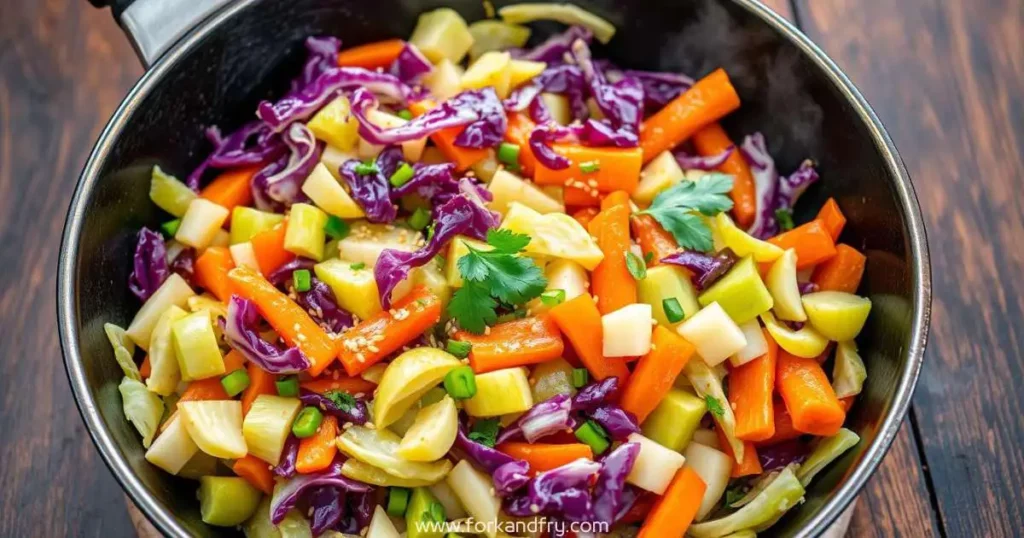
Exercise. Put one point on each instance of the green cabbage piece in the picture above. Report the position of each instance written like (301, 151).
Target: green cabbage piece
(849, 373)
(124, 349)
(141, 407)
(709, 385)
(775, 500)
(825, 452)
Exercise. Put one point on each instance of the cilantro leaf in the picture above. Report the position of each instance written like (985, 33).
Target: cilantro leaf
(636, 267)
(677, 209)
(485, 432)
(507, 241)
(473, 307)
(515, 280)
(714, 406)
(343, 400)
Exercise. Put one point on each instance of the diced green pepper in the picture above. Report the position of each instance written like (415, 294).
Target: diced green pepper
(305, 235)
(741, 292)
(226, 501)
(675, 419)
(420, 513)
(247, 222)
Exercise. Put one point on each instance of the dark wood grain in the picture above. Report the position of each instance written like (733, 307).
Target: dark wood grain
(946, 78)
(64, 66)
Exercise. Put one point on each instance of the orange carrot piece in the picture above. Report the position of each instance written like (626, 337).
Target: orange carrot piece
(204, 389)
(268, 247)
(585, 215)
(211, 270)
(707, 101)
(260, 382)
(317, 451)
(351, 385)
(256, 472)
(808, 395)
(231, 188)
(655, 372)
(577, 197)
(713, 140)
(580, 322)
(617, 198)
(673, 512)
(543, 456)
(444, 139)
(290, 320)
(847, 403)
(416, 312)
(653, 238)
(750, 464)
(841, 272)
(784, 430)
(234, 360)
(372, 55)
(514, 343)
(750, 394)
(812, 241)
(146, 368)
(519, 128)
(617, 168)
(833, 217)
(611, 281)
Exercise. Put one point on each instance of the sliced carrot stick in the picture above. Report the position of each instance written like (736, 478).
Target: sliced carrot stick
(653, 238)
(317, 451)
(260, 382)
(713, 140)
(841, 272)
(585, 215)
(269, 249)
(577, 197)
(674, 511)
(211, 270)
(351, 385)
(808, 395)
(590, 168)
(234, 360)
(812, 241)
(146, 368)
(514, 343)
(611, 281)
(286, 317)
(616, 198)
(204, 389)
(784, 430)
(444, 139)
(231, 188)
(389, 330)
(656, 372)
(833, 218)
(519, 128)
(372, 55)
(580, 322)
(750, 464)
(256, 472)
(750, 394)
(711, 98)
(544, 457)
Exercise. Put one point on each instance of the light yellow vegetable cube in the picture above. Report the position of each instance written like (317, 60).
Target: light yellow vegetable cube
(491, 34)
(329, 195)
(756, 346)
(336, 125)
(492, 69)
(305, 235)
(627, 331)
(173, 292)
(507, 187)
(500, 392)
(524, 70)
(476, 492)
(215, 426)
(354, 289)
(432, 277)
(244, 255)
(366, 241)
(445, 81)
(655, 465)
(661, 173)
(667, 282)
(173, 448)
(558, 106)
(442, 34)
(713, 467)
(333, 158)
(195, 345)
(713, 333)
(267, 425)
(201, 222)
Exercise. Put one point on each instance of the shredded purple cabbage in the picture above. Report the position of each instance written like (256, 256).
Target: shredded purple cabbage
(323, 55)
(283, 274)
(252, 143)
(286, 467)
(556, 47)
(489, 129)
(593, 395)
(618, 422)
(241, 333)
(546, 418)
(659, 88)
(622, 102)
(185, 265)
(697, 162)
(544, 135)
(508, 473)
(372, 191)
(433, 182)
(611, 482)
(450, 113)
(320, 302)
(356, 413)
(282, 187)
(361, 505)
(773, 192)
(149, 269)
(782, 454)
(562, 492)
(287, 494)
(328, 506)
(411, 65)
(791, 187)
(566, 79)
(458, 216)
(704, 268)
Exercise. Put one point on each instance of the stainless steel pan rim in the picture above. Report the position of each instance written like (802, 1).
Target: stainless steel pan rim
(167, 523)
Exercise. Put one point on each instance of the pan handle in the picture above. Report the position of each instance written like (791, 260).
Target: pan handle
(152, 26)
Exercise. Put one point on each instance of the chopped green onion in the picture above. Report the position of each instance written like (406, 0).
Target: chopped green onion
(592, 434)
(590, 167)
(430, 232)
(419, 219)
(508, 154)
(235, 382)
(402, 175)
(673, 310)
(404, 114)
(460, 383)
(301, 280)
(336, 227)
(437, 512)
(553, 297)
(785, 218)
(287, 386)
(366, 168)
(398, 500)
(649, 257)
(307, 422)
(636, 266)
(459, 348)
(171, 227)
(357, 266)
(580, 377)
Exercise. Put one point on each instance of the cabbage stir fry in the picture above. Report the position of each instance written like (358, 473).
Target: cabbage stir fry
(453, 283)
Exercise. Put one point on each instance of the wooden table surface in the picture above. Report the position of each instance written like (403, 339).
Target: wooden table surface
(946, 78)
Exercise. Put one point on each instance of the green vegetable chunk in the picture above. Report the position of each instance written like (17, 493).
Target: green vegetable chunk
(580, 377)
(301, 280)
(305, 235)
(665, 282)
(459, 349)
(247, 222)
(741, 292)
(287, 387)
(307, 422)
(169, 194)
(398, 501)
(226, 501)
(235, 382)
(593, 435)
(783, 493)
(673, 422)
(421, 512)
(336, 228)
